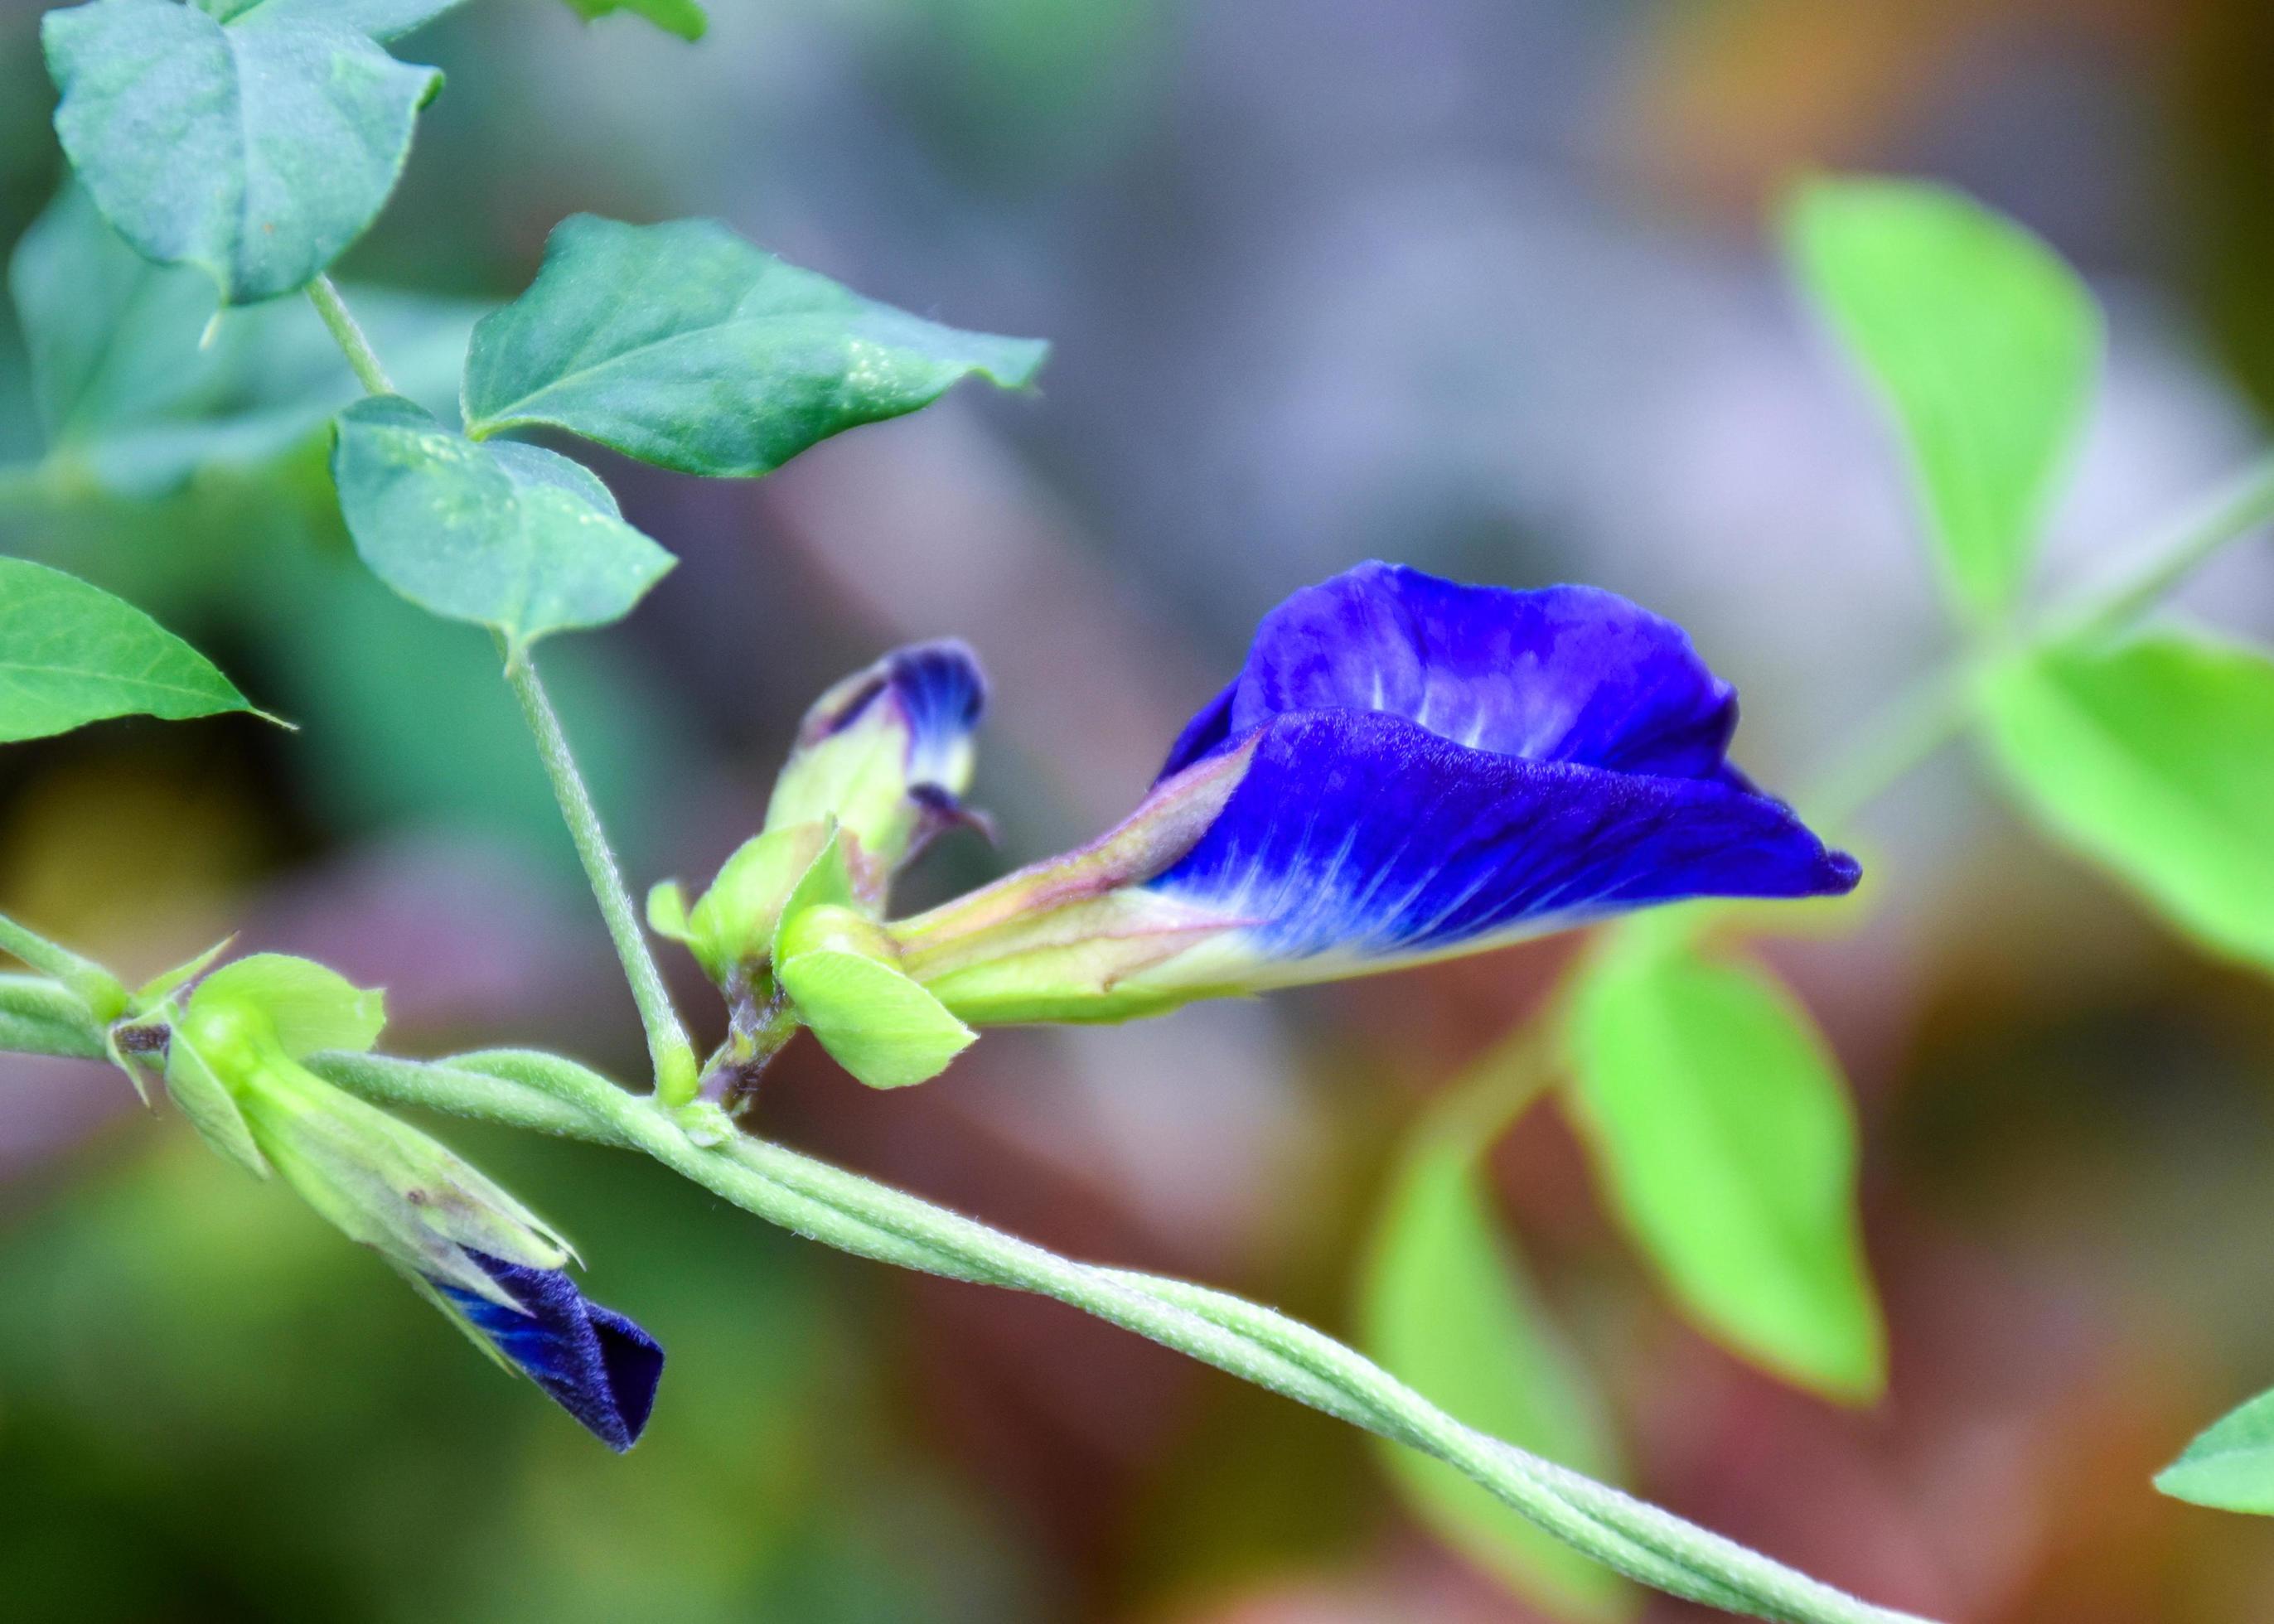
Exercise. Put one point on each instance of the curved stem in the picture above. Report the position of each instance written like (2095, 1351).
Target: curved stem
(325, 295)
(855, 1215)
(671, 1055)
(103, 993)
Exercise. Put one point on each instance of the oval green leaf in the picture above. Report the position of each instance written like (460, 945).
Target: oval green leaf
(71, 654)
(255, 152)
(1446, 1307)
(684, 346)
(509, 536)
(2154, 760)
(1983, 344)
(2230, 1465)
(1722, 1133)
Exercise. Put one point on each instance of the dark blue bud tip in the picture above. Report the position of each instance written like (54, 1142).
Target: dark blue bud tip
(600, 1366)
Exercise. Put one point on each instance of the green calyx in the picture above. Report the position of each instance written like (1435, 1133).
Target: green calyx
(234, 1067)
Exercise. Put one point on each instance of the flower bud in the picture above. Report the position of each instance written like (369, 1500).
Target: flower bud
(496, 1269)
(886, 754)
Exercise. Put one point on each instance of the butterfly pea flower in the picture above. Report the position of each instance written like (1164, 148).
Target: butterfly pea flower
(234, 1063)
(1405, 768)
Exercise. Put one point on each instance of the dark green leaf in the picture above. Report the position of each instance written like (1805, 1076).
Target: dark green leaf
(683, 345)
(256, 152)
(71, 654)
(381, 20)
(1446, 1308)
(1981, 341)
(511, 536)
(2230, 1465)
(2155, 760)
(1722, 1131)
(134, 389)
(683, 18)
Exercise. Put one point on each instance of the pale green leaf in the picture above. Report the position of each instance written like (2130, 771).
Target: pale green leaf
(683, 18)
(313, 1007)
(511, 536)
(1447, 1309)
(683, 345)
(256, 153)
(71, 654)
(1722, 1133)
(1981, 341)
(2155, 760)
(138, 384)
(2230, 1465)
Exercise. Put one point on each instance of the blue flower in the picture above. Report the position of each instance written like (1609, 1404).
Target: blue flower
(600, 1366)
(1404, 768)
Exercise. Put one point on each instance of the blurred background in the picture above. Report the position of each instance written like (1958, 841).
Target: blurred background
(1481, 285)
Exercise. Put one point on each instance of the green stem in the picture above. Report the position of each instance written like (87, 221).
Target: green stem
(1913, 725)
(854, 1214)
(41, 1017)
(667, 1046)
(103, 993)
(325, 295)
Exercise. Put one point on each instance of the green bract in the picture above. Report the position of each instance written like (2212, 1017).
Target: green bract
(1981, 340)
(842, 973)
(684, 346)
(515, 538)
(71, 654)
(256, 150)
(2156, 760)
(1724, 1133)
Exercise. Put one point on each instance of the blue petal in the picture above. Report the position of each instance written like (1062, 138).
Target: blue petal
(943, 694)
(1368, 836)
(1566, 673)
(600, 1366)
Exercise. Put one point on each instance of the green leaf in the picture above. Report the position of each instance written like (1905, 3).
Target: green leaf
(876, 1022)
(255, 152)
(683, 18)
(71, 654)
(140, 385)
(2230, 1465)
(511, 536)
(683, 345)
(2154, 760)
(1981, 341)
(1447, 1309)
(312, 1006)
(1721, 1126)
(381, 19)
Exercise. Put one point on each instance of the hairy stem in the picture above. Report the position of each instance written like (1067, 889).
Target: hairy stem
(669, 1049)
(855, 1215)
(101, 992)
(325, 295)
